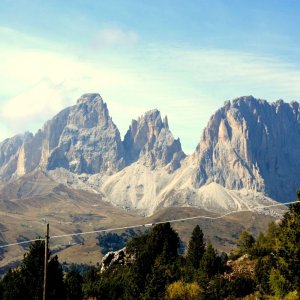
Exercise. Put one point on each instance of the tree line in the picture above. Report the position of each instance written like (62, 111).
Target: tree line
(267, 267)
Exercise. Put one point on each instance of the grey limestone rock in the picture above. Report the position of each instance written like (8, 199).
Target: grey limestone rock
(89, 142)
(9, 153)
(250, 143)
(81, 139)
(150, 140)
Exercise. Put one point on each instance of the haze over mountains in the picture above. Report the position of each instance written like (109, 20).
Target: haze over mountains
(247, 156)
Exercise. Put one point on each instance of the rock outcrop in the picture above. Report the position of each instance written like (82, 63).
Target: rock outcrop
(252, 144)
(113, 258)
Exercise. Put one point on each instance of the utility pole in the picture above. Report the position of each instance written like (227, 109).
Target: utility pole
(46, 262)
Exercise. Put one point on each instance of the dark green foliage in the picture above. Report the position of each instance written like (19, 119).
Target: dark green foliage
(113, 242)
(153, 250)
(73, 283)
(80, 268)
(263, 269)
(32, 270)
(288, 248)
(26, 282)
(245, 243)
(55, 285)
(196, 247)
(216, 289)
(241, 286)
(90, 279)
(163, 273)
(265, 243)
(210, 264)
(12, 286)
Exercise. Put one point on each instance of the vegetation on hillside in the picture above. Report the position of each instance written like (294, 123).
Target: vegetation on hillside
(264, 268)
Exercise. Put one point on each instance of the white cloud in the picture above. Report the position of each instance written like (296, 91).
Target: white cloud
(186, 84)
(115, 36)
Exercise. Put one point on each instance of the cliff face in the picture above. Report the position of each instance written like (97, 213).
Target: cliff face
(252, 144)
(9, 155)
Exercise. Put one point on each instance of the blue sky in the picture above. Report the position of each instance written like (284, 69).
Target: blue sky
(183, 57)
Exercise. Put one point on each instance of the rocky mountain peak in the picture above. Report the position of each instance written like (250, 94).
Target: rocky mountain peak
(250, 143)
(90, 142)
(90, 97)
(89, 112)
(150, 139)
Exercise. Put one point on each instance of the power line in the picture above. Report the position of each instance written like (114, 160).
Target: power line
(23, 242)
(151, 224)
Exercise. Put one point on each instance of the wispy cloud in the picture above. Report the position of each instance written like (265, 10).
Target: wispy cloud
(188, 84)
(114, 36)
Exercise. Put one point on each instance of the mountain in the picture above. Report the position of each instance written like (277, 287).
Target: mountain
(76, 173)
(83, 139)
(247, 157)
(252, 144)
(150, 140)
(89, 142)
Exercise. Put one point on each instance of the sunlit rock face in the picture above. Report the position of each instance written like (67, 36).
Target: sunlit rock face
(9, 155)
(250, 143)
(150, 140)
(89, 142)
(249, 147)
(81, 139)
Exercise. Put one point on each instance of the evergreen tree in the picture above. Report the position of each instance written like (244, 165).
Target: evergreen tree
(12, 286)
(73, 283)
(26, 282)
(196, 248)
(161, 242)
(32, 270)
(89, 285)
(55, 285)
(288, 248)
(246, 243)
(210, 264)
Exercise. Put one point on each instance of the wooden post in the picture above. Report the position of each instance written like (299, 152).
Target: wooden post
(46, 263)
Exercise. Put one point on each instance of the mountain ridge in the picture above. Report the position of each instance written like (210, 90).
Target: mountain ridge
(246, 146)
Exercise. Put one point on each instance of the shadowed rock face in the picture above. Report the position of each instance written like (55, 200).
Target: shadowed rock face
(252, 144)
(150, 141)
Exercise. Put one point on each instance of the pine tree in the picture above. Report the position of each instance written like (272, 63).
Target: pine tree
(12, 286)
(55, 285)
(26, 282)
(32, 270)
(210, 262)
(196, 248)
(73, 284)
(288, 248)
(246, 243)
